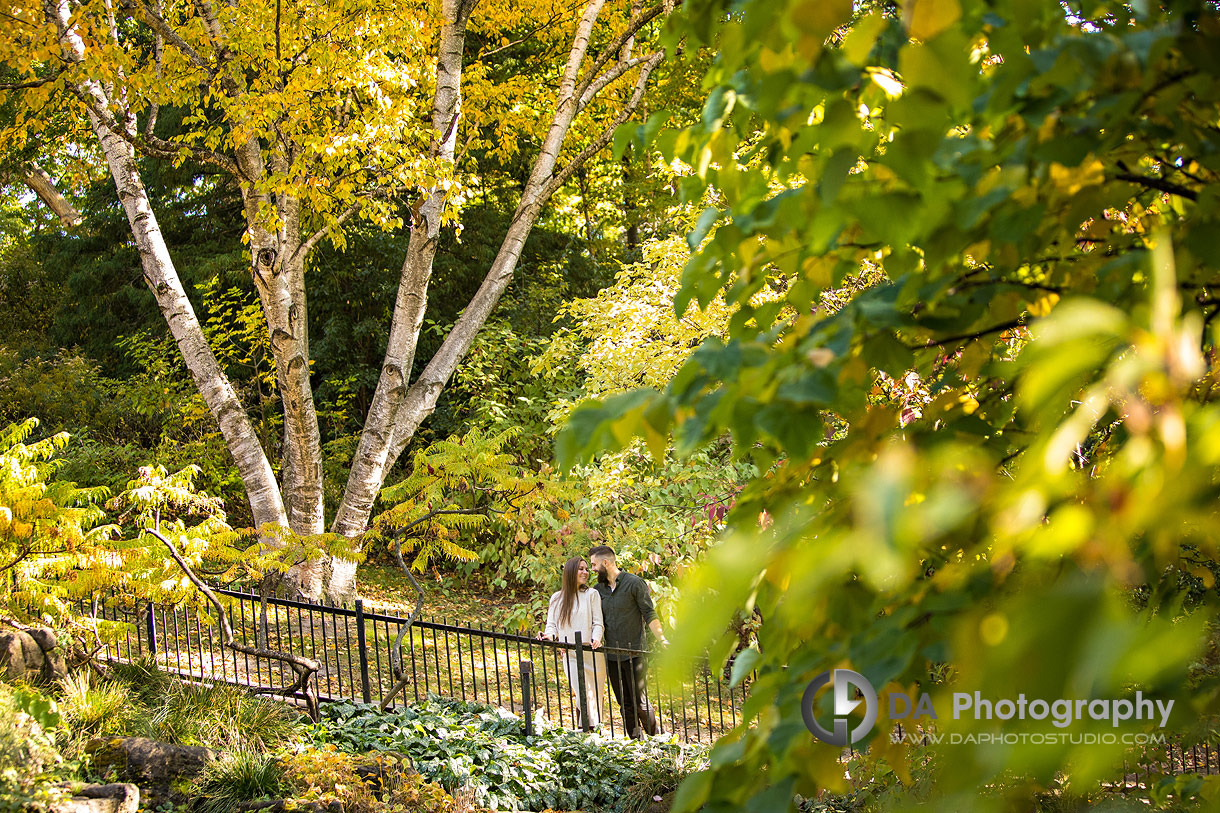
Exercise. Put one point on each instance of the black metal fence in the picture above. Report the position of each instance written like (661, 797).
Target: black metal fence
(476, 663)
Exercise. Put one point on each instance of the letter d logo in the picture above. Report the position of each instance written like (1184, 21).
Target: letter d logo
(842, 680)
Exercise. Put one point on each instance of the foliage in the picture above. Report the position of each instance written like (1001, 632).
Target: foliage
(1009, 428)
(458, 485)
(28, 754)
(58, 565)
(659, 516)
(240, 776)
(461, 744)
(40, 515)
(499, 385)
(326, 773)
(629, 334)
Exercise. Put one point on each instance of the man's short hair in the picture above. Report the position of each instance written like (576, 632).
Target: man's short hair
(601, 550)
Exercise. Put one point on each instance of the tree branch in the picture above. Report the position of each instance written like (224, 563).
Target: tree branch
(160, 148)
(615, 46)
(37, 179)
(32, 83)
(304, 668)
(560, 178)
(1159, 184)
(401, 678)
(150, 124)
(158, 24)
(1009, 325)
(315, 238)
(606, 78)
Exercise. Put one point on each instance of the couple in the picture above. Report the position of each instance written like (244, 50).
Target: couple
(614, 612)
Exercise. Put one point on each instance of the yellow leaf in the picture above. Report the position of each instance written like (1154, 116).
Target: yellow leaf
(1072, 179)
(927, 18)
(1044, 304)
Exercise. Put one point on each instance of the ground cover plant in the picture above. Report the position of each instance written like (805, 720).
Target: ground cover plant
(470, 745)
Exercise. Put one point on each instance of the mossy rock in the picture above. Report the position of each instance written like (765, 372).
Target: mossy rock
(163, 770)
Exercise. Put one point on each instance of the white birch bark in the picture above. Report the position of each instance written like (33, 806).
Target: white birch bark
(278, 272)
(162, 279)
(370, 462)
(419, 400)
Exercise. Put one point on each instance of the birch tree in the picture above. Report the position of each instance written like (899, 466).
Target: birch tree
(324, 113)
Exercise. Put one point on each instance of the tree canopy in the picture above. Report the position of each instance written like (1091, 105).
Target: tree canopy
(321, 114)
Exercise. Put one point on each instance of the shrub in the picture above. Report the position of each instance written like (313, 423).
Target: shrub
(238, 777)
(325, 773)
(27, 745)
(376, 782)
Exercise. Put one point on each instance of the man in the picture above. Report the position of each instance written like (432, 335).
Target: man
(626, 608)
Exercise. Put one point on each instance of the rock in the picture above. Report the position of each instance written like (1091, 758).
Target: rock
(32, 655)
(163, 770)
(44, 637)
(34, 659)
(56, 666)
(12, 656)
(143, 760)
(116, 798)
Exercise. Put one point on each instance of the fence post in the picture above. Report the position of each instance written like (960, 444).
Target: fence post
(527, 673)
(585, 723)
(365, 694)
(152, 629)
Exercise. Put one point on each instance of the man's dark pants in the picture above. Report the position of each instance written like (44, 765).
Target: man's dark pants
(627, 679)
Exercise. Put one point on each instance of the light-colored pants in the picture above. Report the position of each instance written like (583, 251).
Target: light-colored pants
(595, 677)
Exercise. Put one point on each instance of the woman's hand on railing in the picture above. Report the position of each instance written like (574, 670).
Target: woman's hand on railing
(597, 644)
(542, 636)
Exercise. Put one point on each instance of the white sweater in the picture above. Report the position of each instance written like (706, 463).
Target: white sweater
(586, 617)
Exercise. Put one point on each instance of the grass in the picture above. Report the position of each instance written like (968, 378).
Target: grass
(94, 708)
(223, 717)
(239, 777)
(144, 678)
(141, 700)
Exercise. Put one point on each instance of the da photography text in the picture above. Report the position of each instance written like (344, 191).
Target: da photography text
(851, 689)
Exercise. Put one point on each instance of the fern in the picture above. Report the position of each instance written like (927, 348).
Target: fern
(54, 538)
(457, 487)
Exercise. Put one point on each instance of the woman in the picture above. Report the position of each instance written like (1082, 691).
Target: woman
(576, 608)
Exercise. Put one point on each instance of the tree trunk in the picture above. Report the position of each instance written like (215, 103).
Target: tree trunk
(277, 264)
(162, 278)
(372, 456)
(419, 400)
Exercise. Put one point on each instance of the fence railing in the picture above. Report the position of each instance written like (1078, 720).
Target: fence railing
(353, 647)
(476, 663)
